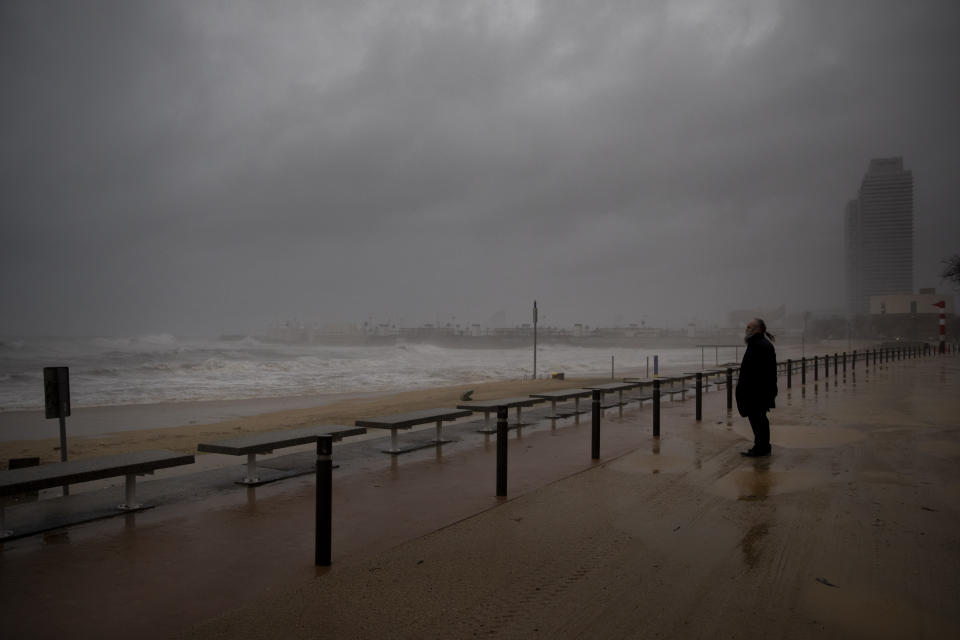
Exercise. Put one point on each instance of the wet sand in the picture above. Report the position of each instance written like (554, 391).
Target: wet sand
(850, 530)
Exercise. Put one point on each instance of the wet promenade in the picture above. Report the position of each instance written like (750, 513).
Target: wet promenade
(851, 529)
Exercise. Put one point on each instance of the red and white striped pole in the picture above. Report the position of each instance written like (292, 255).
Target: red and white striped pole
(943, 325)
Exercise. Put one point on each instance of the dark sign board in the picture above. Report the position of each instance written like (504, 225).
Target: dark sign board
(56, 391)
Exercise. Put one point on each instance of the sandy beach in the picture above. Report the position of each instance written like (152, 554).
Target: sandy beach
(186, 424)
(850, 530)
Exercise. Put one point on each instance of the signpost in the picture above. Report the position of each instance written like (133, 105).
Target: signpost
(56, 391)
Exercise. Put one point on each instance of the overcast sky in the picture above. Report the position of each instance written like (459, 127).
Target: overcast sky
(202, 167)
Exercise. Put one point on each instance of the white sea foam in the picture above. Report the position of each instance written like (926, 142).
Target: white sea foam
(163, 368)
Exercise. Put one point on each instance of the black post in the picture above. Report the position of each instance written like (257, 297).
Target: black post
(853, 363)
(826, 366)
(595, 429)
(816, 368)
(834, 365)
(502, 414)
(699, 396)
(729, 388)
(803, 370)
(844, 363)
(324, 501)
(656, 407)
(789, 373)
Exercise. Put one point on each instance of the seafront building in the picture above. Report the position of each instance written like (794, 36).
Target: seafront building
(878, 234)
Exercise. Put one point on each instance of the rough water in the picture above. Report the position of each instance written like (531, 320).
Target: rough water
(164, 368)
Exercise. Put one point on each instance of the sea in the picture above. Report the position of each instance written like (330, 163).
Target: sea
(162, 368)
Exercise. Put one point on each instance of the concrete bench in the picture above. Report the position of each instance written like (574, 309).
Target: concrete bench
(406, 420)
(266, 442)
(672, 391)
(641, 398)
(562, 395)
(487, 406)
(618, 387)
(57, 474)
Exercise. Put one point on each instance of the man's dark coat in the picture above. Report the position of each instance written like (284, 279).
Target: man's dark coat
(757, 386)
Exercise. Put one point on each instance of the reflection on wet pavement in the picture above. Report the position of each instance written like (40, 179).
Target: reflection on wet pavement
(760, 482)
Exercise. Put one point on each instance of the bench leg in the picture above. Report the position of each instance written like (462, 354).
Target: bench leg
(130, 494)
(393, 441)
(439, 439)
(252, 477)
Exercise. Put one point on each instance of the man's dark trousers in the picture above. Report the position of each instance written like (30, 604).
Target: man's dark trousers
(761, 430)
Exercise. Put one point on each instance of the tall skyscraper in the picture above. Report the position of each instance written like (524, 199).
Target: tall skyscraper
(878, 233)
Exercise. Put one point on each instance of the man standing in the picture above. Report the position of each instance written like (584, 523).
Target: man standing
(757, 385)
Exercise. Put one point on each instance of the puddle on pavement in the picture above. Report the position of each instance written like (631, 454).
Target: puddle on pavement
(939, 448)
(805, 437)
(860, 611)
(671, 456)
(760, 482)
(653, 463)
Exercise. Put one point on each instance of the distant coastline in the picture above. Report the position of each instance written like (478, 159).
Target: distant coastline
(502, 340)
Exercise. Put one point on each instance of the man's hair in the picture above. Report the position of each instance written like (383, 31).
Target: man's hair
(763, 329)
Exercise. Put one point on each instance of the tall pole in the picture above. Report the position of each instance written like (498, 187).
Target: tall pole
(534, 339)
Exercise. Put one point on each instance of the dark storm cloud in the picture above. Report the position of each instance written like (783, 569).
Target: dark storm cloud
(197, 167)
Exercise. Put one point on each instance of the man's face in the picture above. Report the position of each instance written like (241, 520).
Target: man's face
(751, 328)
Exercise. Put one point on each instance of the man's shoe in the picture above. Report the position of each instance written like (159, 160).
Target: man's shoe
(755, 453)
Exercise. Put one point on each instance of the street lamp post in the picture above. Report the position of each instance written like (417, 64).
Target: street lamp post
(534, 339)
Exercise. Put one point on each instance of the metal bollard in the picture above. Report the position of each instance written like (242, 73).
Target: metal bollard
(826, 366)
(853, 362)
(803, 371)
(699, 397)
(502, 414)
(324, 501)
(656, 408)
(816, 368)
(789, 373)
(834, 365)
(729, 388)
(595, 430)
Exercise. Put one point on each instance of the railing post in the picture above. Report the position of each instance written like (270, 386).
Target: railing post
(699, 396)
(656, 408)
(324, 501)
(595, 429)
(816, 368)
(834, 365)
(844, 364)
(826, 366)
(729, 388)
(803, 370)
(853, 363)
(502, 416)
(789, 373)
